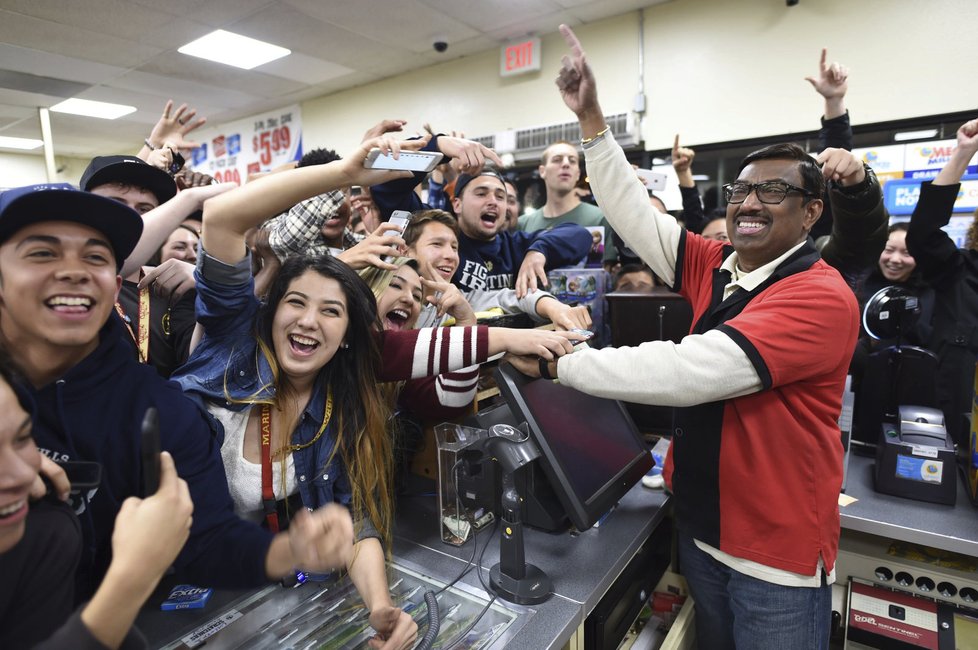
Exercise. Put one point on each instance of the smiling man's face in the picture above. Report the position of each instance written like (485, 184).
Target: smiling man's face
(762, 232)
(58, 285)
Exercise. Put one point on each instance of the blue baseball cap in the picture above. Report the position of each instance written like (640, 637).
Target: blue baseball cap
(23, 206)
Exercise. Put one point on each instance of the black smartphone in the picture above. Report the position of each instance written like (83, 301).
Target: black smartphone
(151, 451)
(356, 190)
(176, 163)
(82, 474)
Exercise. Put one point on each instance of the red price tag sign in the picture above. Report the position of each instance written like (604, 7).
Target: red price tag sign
(270, 143)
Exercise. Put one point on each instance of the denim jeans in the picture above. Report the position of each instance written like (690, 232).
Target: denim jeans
(734, 610)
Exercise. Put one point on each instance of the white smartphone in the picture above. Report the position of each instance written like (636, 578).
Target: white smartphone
(653, 180)
(412, 161)
(400, 218)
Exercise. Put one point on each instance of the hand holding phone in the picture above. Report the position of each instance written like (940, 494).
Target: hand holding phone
(150, 451)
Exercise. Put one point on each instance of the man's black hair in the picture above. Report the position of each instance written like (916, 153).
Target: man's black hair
(318, 157)
(811, 176)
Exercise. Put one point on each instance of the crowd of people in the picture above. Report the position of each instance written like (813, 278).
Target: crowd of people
(285, 330)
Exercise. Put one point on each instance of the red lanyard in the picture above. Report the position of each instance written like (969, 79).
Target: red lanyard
(267, 493)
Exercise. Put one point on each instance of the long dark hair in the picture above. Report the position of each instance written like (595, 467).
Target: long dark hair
(360, 405)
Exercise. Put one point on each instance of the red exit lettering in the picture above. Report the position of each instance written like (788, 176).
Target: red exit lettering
(519, 56)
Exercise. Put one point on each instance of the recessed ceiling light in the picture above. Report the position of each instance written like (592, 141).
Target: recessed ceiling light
(88, 108)
(234, 49)
(914, 135)
(19, 143)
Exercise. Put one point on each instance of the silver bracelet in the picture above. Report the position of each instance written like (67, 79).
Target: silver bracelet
(150, 145)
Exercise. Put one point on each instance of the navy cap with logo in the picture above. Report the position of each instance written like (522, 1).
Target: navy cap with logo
(23, 206)
(131, 171)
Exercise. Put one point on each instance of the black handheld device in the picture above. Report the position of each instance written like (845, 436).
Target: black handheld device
(150, 451)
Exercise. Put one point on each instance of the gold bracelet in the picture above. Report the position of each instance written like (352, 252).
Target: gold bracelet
(596, 136)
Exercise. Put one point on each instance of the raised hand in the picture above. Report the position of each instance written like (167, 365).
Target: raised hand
(577, 86)
(468, 156)
(682, 162)
(832, 80)
(384, 127)
(174, 125)
(841, 166)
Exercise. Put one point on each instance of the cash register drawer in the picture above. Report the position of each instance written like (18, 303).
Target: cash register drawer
(682, 634)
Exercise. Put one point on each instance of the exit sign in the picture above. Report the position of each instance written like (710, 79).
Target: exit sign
(519, 57)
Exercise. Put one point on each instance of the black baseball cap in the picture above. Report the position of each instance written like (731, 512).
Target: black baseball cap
(130, 170)
(23, 206)
(465, 179)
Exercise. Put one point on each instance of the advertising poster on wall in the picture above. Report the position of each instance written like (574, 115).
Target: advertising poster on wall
(233, 151)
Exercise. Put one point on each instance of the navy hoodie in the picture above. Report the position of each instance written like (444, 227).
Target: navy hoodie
(94, 413)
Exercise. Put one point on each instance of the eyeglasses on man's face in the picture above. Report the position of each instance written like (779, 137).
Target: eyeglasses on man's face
(770, 192)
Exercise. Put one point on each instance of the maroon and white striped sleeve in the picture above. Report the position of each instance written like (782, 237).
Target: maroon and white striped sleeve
(432, 351)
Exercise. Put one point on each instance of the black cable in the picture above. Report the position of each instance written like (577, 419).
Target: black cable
(434, 621)
(488, 588)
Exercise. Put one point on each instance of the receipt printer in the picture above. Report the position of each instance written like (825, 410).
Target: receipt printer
(915, 459)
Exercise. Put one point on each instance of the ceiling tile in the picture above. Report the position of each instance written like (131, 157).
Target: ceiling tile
(216, 13)
(115, 17)
(32, 61)
(26, 31)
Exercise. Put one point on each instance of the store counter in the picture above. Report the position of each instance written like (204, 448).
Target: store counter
(616, 558)
(949, 528)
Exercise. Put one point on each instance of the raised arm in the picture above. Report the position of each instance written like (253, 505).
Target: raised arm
(932, 249)
(625, 203)
(159, 222)
(682, 162)
(228, 217)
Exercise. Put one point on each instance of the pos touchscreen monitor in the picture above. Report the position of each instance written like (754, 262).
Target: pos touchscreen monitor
(591, 452)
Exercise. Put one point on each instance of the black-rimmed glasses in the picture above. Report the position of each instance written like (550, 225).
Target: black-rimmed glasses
(770, 192)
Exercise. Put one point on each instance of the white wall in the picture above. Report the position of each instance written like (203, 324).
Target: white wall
(716, 70)
(723, 70)
(26, 169)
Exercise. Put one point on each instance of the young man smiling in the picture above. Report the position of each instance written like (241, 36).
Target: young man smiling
(61, 251)
(432, 237)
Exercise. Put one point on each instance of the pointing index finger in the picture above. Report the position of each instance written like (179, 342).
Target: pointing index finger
(571, 39)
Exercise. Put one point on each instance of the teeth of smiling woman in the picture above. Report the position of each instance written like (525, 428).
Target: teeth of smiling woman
(400, 313)
(301, 340)
(11, 509)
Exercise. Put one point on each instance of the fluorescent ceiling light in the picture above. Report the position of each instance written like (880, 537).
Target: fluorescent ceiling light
(234, 49)
(88, 108)
(914, 135)
(658, 161)
(19, 143)
(701, 177)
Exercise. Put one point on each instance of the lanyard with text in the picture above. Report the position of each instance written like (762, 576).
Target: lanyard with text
(141, 336)
(267, 493)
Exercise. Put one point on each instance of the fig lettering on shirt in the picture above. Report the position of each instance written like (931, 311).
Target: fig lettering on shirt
(475, 277)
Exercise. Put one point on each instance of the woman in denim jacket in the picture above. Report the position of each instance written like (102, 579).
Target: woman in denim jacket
(302, 371)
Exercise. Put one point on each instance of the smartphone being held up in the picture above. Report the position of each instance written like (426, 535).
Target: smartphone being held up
(412, 161)
(150, 451)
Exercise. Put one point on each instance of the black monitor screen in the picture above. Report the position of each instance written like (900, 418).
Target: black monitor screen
(592, 452)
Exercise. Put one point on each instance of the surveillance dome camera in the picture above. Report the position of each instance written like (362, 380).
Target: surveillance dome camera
(440, 46)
